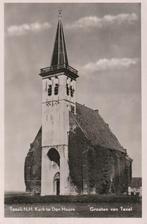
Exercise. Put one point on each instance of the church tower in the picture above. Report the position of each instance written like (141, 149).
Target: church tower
(58, 98)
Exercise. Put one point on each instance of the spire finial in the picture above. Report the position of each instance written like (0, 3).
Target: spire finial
(59, 13)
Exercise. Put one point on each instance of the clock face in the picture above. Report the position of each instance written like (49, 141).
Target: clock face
(51, 103)
(48, 103)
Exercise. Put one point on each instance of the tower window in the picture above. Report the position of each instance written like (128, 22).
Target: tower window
(71, 91)
(49, 90)
(56, 89)
(67, 89)
(72, 109)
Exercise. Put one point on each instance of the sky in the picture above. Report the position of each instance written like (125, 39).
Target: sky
(103, 43)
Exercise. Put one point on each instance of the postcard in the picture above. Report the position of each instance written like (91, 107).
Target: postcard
(72, 111)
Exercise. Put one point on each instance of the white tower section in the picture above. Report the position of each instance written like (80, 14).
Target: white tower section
(58, 98)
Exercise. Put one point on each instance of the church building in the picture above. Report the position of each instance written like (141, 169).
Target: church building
(74, 152)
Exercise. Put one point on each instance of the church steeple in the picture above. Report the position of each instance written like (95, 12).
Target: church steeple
(58, 101)
(59, 56)
(59, 61)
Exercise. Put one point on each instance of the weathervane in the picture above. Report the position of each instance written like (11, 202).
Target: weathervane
(60, 13)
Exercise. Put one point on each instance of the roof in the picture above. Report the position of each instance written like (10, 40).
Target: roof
(136, 182)
(95, 129)
(59, 56)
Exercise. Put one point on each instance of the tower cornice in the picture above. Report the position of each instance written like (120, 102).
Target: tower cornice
(52, 70)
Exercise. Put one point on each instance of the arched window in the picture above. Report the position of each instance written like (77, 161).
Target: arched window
(71, 91)
(56, 89)
(54, 156)
(67, 90)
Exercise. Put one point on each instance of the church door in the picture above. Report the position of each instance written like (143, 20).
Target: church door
(57, 183)
(57, 187)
